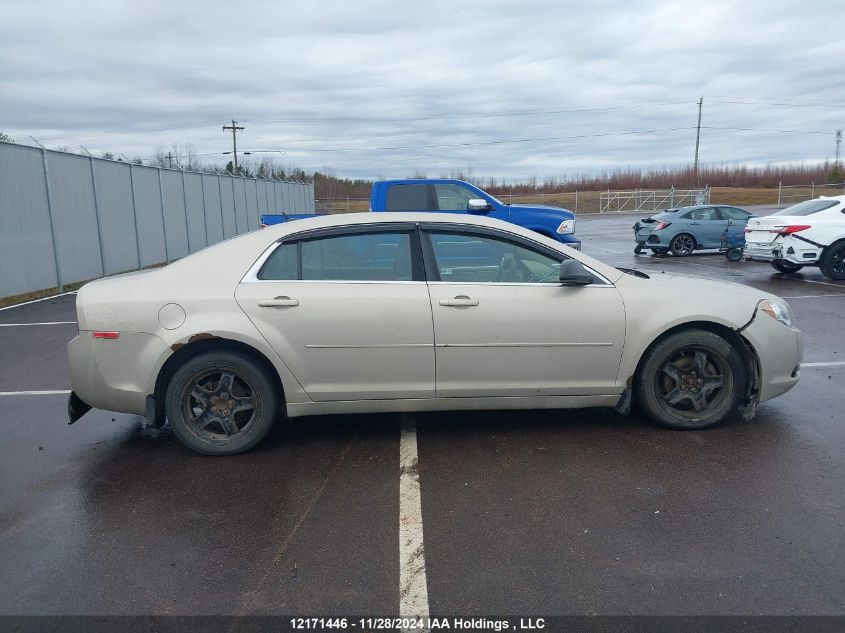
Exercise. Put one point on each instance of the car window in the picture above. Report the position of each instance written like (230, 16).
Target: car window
(407, 198)
(472, 258)
(807, 207)
(451, 197)
(707, 213)
(732, 213)
(281, 265)
(384, 256)
(358, 257)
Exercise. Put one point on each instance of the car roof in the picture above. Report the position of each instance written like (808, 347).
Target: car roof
(392, 217)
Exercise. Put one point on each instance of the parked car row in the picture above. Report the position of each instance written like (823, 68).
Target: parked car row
(810, 233)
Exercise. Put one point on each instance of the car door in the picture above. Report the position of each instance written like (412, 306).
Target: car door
(708, 225)
(504, 326)
(348, 311)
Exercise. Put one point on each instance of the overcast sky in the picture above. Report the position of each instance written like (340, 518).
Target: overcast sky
(582, 86)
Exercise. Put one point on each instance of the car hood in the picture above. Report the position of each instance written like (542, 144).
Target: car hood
(544, 211)
(726, 302)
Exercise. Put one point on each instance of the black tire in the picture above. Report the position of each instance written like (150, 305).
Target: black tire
(659, 252)
(783, 266)
(204, 395)
(638, 248)
(733, 254)
(677, 381)
(832, 263)
(682, 245)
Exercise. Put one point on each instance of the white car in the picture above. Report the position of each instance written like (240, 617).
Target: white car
(417, 312)
(810, 233)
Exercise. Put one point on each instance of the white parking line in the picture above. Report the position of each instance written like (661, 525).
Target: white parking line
(45, 323)
(26, 303)
(35, 393)
(831, 364)
(413, 588)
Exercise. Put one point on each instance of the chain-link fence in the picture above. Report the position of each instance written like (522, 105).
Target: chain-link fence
(66, 218)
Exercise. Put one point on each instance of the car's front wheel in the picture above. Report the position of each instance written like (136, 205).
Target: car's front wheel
(692, 379)
(221, 402)
(785, 266)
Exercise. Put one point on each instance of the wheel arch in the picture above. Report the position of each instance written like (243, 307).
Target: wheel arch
(735, 338)
(682, 231)
(183, 353)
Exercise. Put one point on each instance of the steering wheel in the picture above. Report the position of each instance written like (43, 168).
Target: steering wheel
(512, 270)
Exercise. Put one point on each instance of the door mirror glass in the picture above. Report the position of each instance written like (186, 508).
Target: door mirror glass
(477, 205)
(572, 273)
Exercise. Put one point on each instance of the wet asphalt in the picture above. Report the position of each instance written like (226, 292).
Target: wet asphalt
(576, 512)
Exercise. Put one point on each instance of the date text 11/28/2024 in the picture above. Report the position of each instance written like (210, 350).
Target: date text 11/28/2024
(417, 624)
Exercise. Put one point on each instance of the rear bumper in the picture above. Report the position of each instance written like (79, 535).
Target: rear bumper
(116, 375)
(789, 248)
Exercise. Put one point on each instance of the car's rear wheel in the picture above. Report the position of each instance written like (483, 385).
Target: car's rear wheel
(221, 402)
(784, 266)
(682, 245)
(832, 263)
(692, 379)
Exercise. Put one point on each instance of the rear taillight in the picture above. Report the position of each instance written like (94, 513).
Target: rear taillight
(106, 335)
(661, 225)
(787, 230)
(263, 226)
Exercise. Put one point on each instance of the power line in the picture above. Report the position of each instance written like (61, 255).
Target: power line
(463, 115)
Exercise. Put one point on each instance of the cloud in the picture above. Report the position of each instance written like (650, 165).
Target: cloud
(355, 76)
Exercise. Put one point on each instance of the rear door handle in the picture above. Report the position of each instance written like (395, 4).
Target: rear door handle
(461, 301)
(278, 302)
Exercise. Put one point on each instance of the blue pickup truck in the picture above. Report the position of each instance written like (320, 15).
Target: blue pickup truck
(457, 196)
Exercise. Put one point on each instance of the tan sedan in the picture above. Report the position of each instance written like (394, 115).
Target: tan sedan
(417, 312)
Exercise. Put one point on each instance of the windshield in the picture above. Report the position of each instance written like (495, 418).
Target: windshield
(807, 207)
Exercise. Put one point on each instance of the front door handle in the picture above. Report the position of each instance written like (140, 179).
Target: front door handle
(461, 301)
(278, 302)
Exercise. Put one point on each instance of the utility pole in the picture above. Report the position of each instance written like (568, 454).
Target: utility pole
(838, 143)
(697, 138)
(234, 127)
(170, 159)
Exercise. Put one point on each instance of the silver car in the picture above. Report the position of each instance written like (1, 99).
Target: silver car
(353, 313)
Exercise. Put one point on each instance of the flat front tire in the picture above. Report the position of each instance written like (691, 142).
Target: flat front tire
(784, 266)
(221, 402)
(693, 379)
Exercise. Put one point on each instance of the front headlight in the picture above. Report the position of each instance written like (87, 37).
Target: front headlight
(778, 309)
(567, 226)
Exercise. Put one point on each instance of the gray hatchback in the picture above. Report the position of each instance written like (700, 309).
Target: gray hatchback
(684, 230)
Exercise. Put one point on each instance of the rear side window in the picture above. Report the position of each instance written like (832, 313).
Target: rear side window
(732, 213)
(407, 198)
(707, 213)
(281, 265)
(358, 257)
(807, 207)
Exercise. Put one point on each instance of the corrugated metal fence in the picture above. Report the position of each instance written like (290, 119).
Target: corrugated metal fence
(66, 218)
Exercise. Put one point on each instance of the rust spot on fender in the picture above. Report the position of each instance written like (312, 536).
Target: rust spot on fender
(202, 336)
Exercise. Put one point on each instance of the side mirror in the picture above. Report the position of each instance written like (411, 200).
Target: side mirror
(477, 205)
(572, 273)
